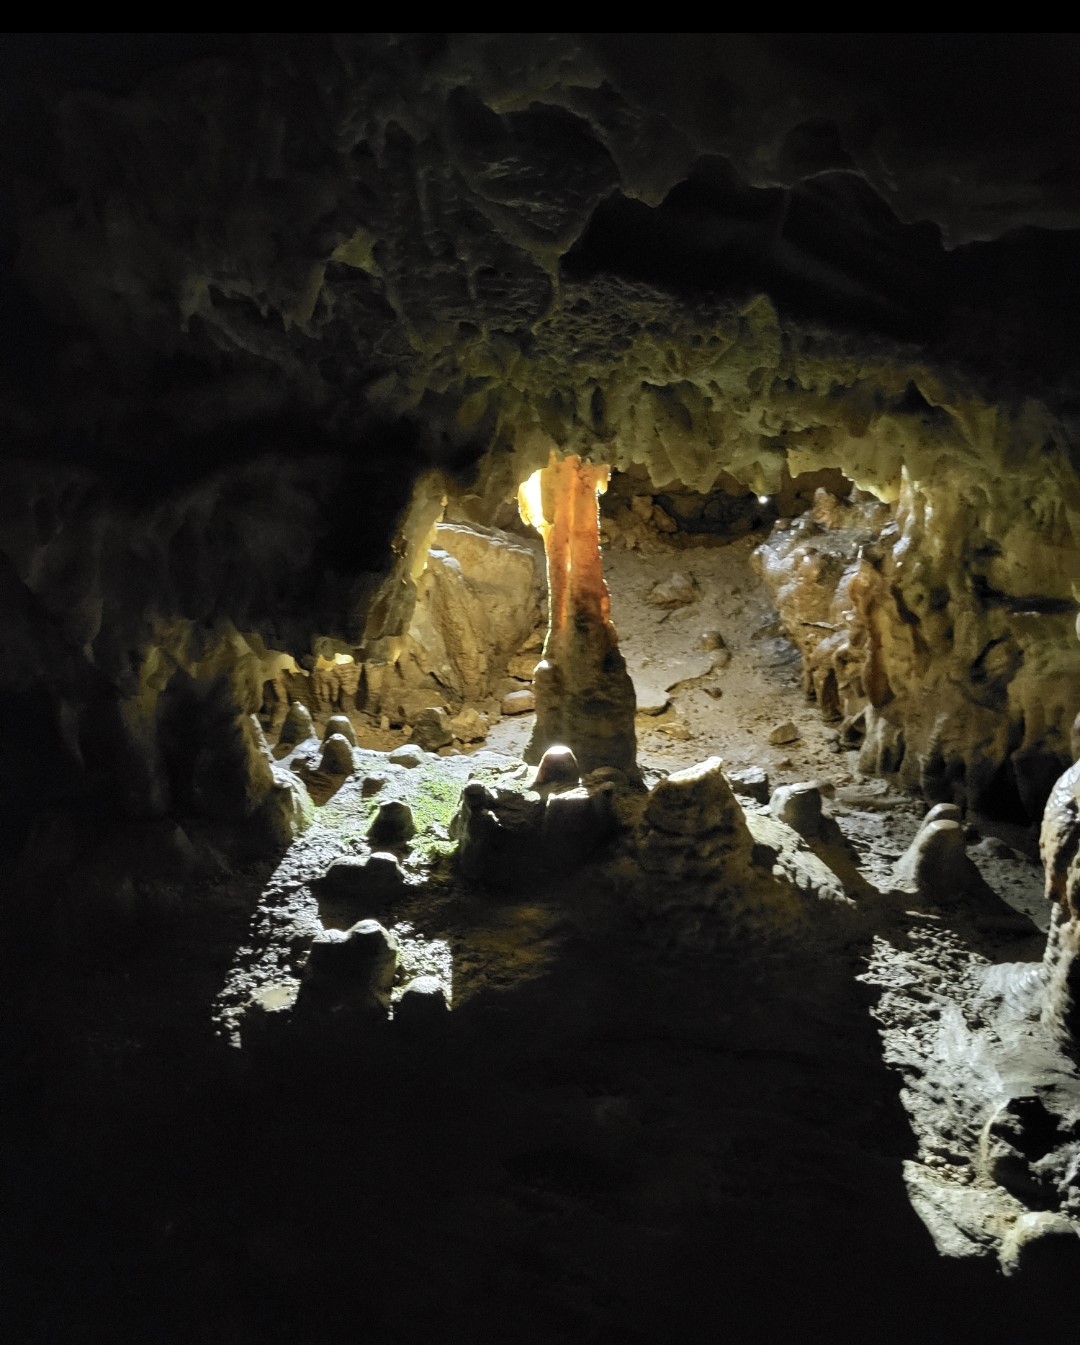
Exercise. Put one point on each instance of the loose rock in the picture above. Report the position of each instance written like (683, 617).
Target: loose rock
(799, 806)
(784, 733)
(678, 590)
(518, 703)
(431, 729)
(408, 754)
(469, 726)
(751, 783)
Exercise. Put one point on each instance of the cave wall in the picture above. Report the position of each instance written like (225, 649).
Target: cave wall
(280, 296)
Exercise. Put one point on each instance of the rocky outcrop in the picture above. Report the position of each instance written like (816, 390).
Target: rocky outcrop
(939, 633)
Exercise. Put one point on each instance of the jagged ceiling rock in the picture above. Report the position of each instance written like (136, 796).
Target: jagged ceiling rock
(429, 225)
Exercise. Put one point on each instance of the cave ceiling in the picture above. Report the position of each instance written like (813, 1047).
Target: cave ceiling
(451, 242)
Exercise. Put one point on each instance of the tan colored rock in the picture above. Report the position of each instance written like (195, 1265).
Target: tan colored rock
(518, 703)
(340, 724)
(297, 726)
(523, 666)
(478, 600)
(783, 734)
(432, 729)
(678, 590)
(469, 725)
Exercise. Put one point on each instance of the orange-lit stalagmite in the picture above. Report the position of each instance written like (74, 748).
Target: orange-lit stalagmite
(584, 696)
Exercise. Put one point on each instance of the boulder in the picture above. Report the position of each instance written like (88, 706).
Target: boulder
(692, 802)
(477, 602)
(408, 754)
(751, 782)
(469, 725)
(518, 703)
(798, 805)
(783, 734)
(431, 729)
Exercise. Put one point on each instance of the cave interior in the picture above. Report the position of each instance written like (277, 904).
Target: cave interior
(540, 585)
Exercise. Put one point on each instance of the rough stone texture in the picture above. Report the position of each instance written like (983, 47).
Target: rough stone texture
(432, 729)
(477, 600)
(337, 755)
(1059, 847)
(676, 591)
(297, 726)
(469, 725)
(751, 782)
(406, 755)
(340, 724)
(558, 766)
(799, 806)
(393, 824)
(945, 634)
(518, 703)
(354, 966)
(584, 694)
(937, 863)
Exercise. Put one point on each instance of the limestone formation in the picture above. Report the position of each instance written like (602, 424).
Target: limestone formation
(355, 967)
(477, 601)
(1059, 847)
(954, 666)
(337, 755)
(584, 695)
(558, 767)
(340, 724)
(936, 864)
(393, 824)
(298, 726)
(421, 1006)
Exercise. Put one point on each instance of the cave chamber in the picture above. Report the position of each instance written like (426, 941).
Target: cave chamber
(539, 582)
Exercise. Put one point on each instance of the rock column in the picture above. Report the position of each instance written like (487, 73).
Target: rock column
(584, 695)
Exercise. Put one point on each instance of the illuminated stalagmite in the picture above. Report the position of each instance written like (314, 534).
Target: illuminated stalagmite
(584, 695)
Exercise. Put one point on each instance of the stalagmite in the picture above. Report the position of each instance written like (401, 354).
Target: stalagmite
(584, 695)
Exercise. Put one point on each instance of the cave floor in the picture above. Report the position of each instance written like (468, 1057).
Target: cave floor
(633, 1142)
